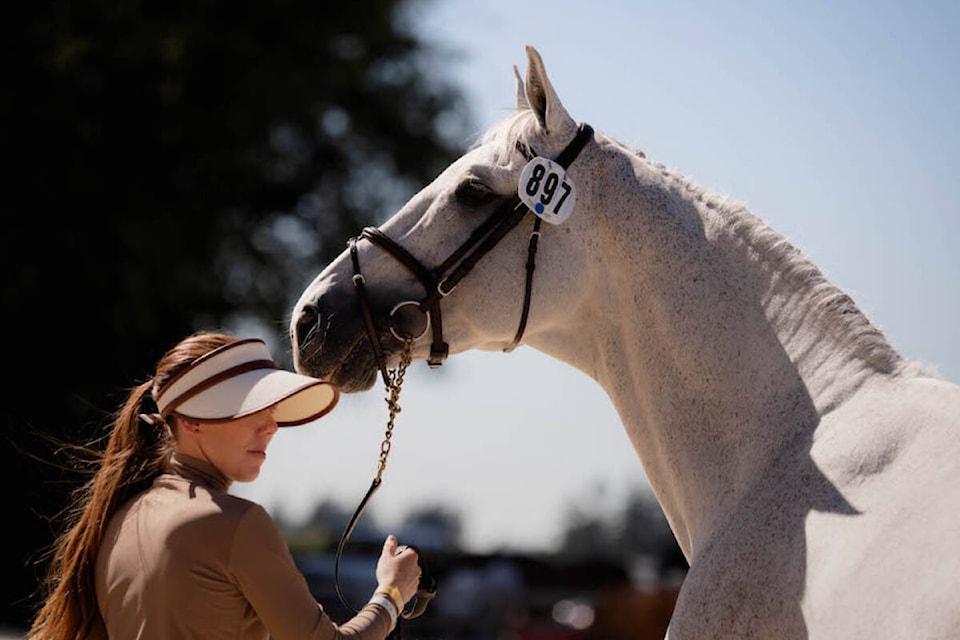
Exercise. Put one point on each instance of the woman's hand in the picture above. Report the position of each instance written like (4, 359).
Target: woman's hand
(398, 569)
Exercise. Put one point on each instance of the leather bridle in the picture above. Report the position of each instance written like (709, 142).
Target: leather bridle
(441, 280)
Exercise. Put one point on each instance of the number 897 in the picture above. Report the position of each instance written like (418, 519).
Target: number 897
(546, 187)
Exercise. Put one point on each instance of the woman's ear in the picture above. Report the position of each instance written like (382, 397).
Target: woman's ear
(187, 424)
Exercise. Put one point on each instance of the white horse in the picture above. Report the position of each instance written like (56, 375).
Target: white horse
(810, 474)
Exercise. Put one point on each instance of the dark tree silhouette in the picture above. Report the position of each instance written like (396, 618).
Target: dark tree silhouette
(640, 528)
(173, 167)
(434, 528)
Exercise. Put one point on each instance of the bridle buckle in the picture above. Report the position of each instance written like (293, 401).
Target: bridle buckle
(441, 291)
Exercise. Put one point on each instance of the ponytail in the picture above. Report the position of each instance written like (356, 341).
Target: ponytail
(135, 454)
(139, 448)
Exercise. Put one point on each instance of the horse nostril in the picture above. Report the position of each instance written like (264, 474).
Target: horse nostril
(307, 325)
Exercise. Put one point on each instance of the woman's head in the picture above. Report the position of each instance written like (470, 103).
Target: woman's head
(224, 399)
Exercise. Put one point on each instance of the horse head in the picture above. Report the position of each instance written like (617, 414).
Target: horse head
(449, 269)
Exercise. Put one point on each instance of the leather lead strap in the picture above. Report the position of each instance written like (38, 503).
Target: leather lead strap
(426, 590)
(346, 536)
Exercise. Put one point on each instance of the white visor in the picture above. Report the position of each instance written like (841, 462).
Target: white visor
(239, 379)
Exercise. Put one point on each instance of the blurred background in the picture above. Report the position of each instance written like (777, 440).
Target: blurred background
(171, 168)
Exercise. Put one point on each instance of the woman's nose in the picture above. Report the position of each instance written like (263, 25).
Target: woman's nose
(269, 426)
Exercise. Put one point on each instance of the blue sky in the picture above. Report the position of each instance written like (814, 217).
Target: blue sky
(835, 122)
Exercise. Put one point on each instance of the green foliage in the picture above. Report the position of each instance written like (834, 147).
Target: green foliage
(176, 167)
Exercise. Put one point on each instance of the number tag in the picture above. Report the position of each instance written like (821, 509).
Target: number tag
(547, 191)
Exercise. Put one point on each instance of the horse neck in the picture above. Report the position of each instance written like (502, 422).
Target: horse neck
(727, 348)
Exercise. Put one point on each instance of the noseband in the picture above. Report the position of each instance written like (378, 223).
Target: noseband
(440, 281)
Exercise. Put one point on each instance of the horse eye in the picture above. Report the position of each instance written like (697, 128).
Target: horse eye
(473, 193)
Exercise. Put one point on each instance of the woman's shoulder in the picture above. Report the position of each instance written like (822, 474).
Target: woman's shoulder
(204, 500)
(240, 508)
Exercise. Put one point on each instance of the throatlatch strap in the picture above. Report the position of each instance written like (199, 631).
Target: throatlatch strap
(528, 288)
(572, 150)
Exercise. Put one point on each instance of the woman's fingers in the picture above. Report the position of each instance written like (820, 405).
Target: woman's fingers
(390, 545)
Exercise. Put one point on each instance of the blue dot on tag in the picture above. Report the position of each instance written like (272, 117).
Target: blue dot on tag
(539, 208)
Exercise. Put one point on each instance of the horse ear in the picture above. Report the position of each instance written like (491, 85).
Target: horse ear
(541, 97)
(521, 95)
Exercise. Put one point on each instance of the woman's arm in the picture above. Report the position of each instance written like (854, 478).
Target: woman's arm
(279, 593)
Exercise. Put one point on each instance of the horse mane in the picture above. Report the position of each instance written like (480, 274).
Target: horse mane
(834, 311)
(518, 127)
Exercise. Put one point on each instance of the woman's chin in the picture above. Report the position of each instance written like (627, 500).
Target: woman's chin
(248, 473)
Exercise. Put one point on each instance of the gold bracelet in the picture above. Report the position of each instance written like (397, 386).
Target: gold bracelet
(393, 593)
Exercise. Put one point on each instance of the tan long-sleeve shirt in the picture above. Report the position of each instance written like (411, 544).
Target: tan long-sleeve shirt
(186, 560)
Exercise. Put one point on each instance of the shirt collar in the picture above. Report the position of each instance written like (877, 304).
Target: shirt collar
(199, 471)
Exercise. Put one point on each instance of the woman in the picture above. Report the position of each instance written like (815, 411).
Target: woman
(157, 548)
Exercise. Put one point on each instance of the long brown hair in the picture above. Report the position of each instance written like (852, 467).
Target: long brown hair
(139, 447)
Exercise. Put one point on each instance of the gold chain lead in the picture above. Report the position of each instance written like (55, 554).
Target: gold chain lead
(393, 403)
